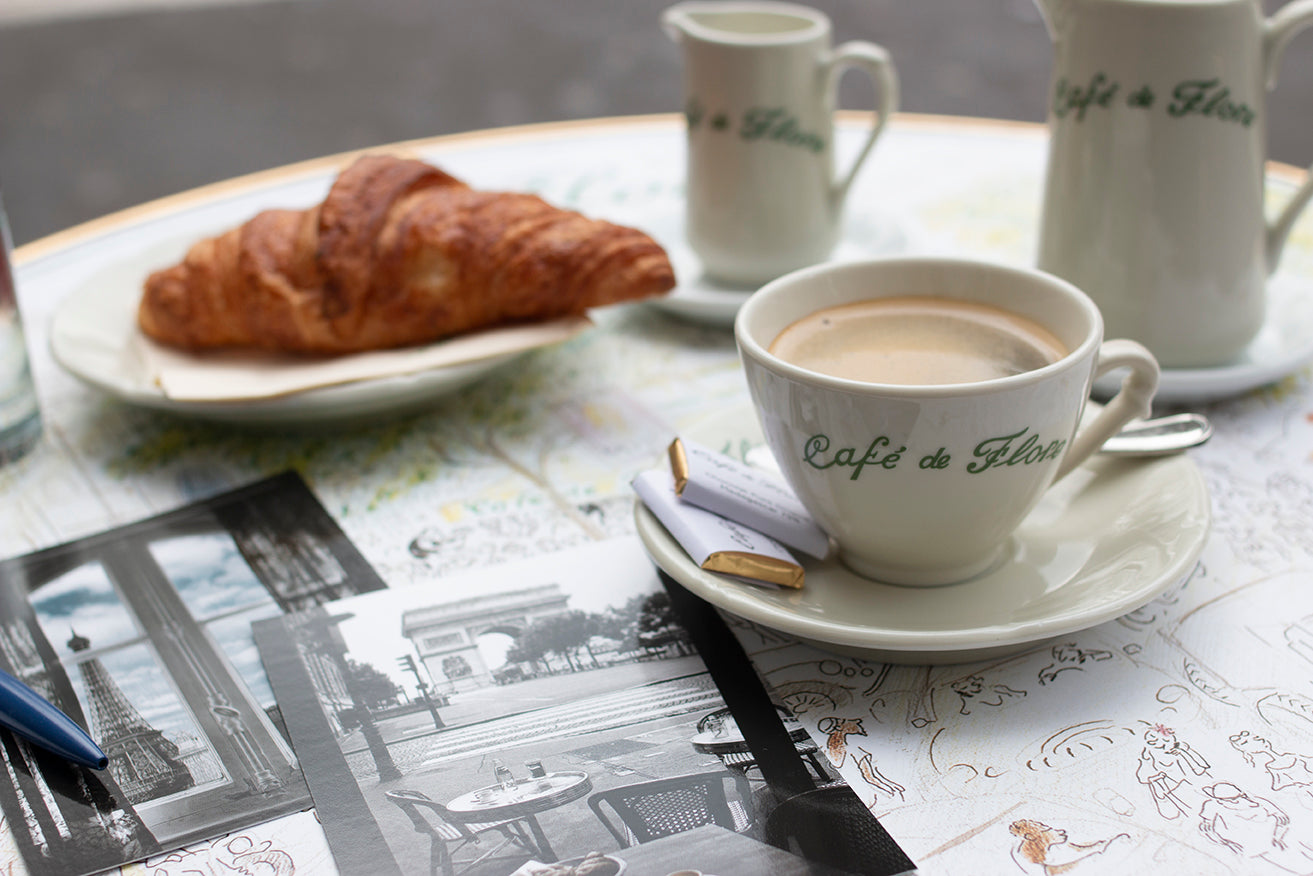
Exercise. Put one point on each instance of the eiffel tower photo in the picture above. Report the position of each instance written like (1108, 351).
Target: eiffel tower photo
(143, 761)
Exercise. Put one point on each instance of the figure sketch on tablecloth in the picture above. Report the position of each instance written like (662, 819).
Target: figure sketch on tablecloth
(883, 785)
(1253, 827)
(1165, 767)
(837, 731)
(973, 692)
(1286, 769)
(1070, 657)
(1045, 850)
(226, 856)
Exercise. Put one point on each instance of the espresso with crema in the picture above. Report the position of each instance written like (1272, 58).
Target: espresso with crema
(918, 341)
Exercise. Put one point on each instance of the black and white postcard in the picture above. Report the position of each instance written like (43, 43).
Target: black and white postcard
(143, 635)
(544, 716)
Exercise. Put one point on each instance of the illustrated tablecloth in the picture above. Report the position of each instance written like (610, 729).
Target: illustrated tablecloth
(1179, 736)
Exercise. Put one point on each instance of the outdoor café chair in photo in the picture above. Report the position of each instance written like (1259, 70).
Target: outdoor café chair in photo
(449, 835)
(830, 825)
(646, 811)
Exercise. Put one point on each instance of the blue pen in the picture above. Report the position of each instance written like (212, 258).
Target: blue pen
(24, 712)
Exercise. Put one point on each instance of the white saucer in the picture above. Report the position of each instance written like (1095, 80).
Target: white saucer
(702, 299)
(1104, 541)
(1282, 346)
(92, 336)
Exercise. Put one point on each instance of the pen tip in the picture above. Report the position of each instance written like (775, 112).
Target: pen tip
(102, 763)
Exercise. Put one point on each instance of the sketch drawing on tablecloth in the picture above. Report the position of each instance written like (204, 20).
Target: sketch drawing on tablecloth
(974, 693)
(1167, 768)
(1069, 658)
(1285, 769)
(837, 730)
(1047, 851)
(230, 854)
(1177, 755)
(882, 785)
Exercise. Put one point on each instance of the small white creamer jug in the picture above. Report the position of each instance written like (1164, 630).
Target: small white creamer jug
(1154, 193)
(760, 79)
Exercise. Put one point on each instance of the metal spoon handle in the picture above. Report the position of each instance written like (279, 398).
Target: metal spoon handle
(1160, 436)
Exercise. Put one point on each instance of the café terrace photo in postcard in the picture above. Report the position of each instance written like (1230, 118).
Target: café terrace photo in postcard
(519, 715)
(143, 635)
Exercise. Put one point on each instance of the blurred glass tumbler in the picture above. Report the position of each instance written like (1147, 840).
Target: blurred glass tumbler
(760, 81)
(20, 418)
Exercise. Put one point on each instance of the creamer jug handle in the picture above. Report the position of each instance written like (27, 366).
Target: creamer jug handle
(1277, 33)
(876, 63)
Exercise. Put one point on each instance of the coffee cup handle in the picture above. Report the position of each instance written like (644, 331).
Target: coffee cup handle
(1132, 400)
(876, 63)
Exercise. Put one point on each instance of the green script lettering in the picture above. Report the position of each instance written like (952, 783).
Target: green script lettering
(1068, 97)
(937, 460)
(693, 112)
(815, 453)
(999, 451)
(777, 125)
(1141, 98)
(1211, 99)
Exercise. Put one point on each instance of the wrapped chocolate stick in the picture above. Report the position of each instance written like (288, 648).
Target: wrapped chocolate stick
(758, 499)
(715, 543)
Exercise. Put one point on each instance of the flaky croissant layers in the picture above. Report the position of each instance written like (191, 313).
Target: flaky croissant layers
(398, 253)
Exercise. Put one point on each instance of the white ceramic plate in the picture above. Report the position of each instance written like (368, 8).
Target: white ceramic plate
(1104, 541)
(1282, 346)
(92, 336)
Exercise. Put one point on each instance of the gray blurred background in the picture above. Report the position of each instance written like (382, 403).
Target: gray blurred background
(105, 105)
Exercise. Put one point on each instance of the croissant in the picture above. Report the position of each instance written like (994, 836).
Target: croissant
(398, 253)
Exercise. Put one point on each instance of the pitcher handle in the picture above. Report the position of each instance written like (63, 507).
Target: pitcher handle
(1277, 33)
(1132, 400)
(877, 64)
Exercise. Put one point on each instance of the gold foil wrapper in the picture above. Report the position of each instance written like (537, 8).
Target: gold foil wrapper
(678, 465)
(757, 567)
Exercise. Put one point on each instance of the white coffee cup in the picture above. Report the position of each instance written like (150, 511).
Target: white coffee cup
(760, 79)
(923, 485)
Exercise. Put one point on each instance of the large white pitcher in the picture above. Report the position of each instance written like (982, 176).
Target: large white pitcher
(760, 79)
(1153, 200)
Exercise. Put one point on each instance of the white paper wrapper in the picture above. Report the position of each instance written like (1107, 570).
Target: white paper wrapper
(241, 375)
(760, 500)
(715, 543)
